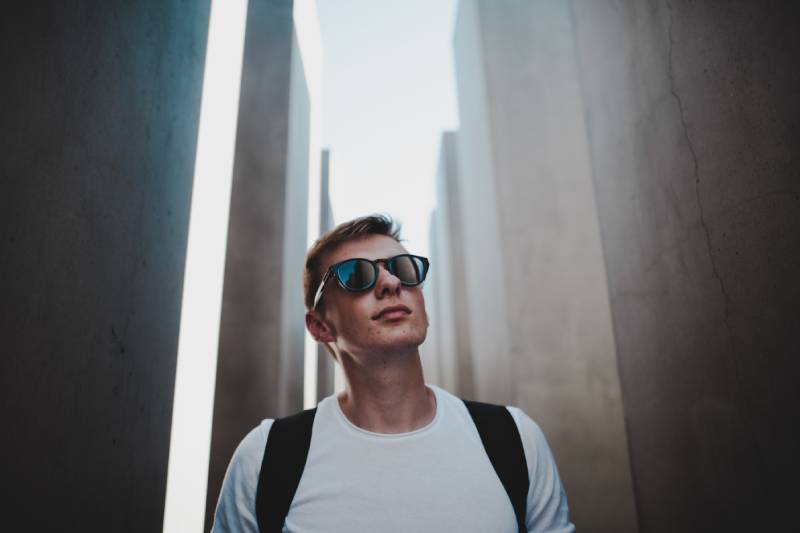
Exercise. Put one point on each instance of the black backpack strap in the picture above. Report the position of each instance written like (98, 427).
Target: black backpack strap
(503, 445)
(281, 468)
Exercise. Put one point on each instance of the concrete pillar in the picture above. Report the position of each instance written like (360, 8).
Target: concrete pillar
(541, 331)
(692, 110)
(261, 348)
(491, 344)
(99, 127)
(326, 365)
(447, 288)
(454, 268)
(431, 350)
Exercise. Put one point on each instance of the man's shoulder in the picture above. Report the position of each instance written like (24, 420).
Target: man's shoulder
(236, 504)
(533, 439)
(251, 447)
(525, 424)
(261, 430)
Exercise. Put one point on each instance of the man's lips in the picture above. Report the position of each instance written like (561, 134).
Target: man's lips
(394, 311)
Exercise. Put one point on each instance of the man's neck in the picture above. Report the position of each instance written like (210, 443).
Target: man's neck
(388, 396)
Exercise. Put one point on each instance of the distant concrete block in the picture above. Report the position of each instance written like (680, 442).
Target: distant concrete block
(447, 289)
(326, 366)
(261, 349)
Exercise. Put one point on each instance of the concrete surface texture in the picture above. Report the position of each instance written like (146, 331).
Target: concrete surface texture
(437, 352)
(454, 270)
(99, 127)
(431, 351)
(260, 361)
(295, 236)
(448, 301)
(326, 366)
(693, 122)
(491, 343)
(533, 257)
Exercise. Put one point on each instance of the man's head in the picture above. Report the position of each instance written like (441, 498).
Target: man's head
(358, 321)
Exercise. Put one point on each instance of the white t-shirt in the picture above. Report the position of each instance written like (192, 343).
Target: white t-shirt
(436, 478)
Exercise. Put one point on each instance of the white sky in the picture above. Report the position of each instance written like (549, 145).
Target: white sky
(388, 93)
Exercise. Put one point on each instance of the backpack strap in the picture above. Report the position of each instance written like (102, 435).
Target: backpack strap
(503, 445)
(282, 466)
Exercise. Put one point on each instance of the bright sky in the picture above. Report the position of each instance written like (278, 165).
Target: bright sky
(388, 93)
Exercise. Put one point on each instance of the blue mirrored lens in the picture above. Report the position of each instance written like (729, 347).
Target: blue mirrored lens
(356, 274)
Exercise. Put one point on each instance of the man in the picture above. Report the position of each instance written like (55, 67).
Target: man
(389, 453)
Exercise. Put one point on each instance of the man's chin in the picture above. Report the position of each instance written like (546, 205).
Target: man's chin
(401, 344)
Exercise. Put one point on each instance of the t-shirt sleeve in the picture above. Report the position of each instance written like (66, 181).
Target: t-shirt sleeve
(547, 503)
(236, 507)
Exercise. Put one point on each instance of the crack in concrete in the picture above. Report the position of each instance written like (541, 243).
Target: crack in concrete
(746, 420)
(684, 125)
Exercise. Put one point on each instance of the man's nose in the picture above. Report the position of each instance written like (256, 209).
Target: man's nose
(387, 283)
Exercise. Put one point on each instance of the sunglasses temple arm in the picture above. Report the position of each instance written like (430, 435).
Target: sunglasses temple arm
(318, 295)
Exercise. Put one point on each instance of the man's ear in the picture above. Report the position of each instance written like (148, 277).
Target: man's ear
(320, 330)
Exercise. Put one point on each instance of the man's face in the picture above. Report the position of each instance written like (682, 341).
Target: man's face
(356, 318)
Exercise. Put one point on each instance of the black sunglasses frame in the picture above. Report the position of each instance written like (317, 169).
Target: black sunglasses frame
(333, 271)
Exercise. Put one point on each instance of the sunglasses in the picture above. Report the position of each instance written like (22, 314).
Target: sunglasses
(358, 275)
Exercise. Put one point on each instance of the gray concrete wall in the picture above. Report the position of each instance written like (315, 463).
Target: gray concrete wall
(295, 235)
(693, 117)
(325, 362)
(446, 290)
(438, 355)
(260, 362)
(491, 343)
(455, 272)
(98, 132)
(526, 188)
(431, 351)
